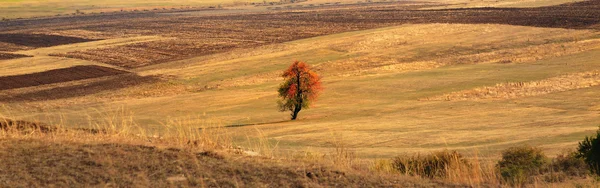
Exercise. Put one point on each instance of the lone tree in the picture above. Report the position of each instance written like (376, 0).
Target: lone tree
(301, 87)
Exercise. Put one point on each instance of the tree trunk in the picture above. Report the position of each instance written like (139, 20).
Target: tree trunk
(295, 112)
(299, 100)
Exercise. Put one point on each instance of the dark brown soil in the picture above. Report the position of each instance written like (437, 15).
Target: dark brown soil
(35, 163)
(38, 40)
(57, 76)
(81, 89)
(149, 53)
(4, 56)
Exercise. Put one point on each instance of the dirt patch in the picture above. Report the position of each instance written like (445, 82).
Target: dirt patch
(38, 40)
(77, 89)
(525, 89)
(4, 56)
(57, 76)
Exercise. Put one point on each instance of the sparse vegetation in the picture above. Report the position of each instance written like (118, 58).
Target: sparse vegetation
(566, 166)
(435, 165)
(520, 164)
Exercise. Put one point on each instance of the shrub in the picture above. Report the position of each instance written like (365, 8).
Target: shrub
(434, 165)
(589, 151)
(566, 166)
(570, 164)
(519, 164)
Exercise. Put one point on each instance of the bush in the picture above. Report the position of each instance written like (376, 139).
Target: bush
(520, 164)
(570, 164)
(589, 151)
(566, 166)
(434, 165)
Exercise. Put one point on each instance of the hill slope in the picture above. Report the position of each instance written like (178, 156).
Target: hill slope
(46, 161)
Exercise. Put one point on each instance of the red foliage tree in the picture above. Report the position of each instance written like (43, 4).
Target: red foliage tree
(301, 87)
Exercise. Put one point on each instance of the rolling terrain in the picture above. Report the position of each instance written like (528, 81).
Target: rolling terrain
(399, 77)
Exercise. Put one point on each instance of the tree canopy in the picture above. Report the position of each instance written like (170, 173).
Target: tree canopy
(301, 87)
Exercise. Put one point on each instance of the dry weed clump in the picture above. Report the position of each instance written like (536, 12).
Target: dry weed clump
(525, 89)
(435, 165)
(446, 165)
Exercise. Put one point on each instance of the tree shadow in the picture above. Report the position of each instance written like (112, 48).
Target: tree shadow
(255, 124)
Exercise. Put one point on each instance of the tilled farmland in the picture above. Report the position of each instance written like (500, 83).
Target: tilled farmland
(76, 88)
(190, 35)
(4, 56)
(56, 76)
(202, 35)
(28, 41)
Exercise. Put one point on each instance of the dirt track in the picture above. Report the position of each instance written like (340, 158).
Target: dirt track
(57, 76)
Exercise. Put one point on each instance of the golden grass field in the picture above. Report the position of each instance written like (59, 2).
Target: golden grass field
(385, 90)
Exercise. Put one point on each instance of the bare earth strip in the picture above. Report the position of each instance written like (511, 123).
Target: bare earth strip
(56, 76)
(5, 56)
(526, 89)
(28, 41)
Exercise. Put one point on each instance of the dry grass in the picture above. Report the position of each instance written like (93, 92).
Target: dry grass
(527, 89)
(188, 152)
(412, 62)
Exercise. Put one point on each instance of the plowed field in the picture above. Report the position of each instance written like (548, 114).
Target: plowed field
(14, 41)
(78, 89)
(208, 34)
(57, 76)
(4, 56)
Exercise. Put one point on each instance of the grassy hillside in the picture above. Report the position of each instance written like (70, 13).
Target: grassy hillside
(386, 92)
(53, 156)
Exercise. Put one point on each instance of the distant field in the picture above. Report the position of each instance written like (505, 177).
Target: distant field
(10, 9)
(33, 8)
(500, 3)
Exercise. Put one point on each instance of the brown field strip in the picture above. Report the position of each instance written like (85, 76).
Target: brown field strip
(36, 40)
(5, 56)
(154, 52)
(526, 89)
(57, 76)
(79, 88)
